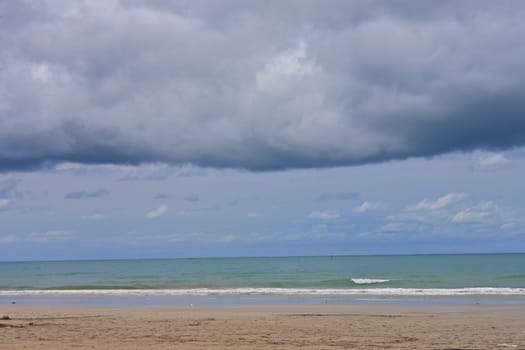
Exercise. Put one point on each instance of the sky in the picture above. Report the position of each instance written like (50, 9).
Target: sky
(153, 129)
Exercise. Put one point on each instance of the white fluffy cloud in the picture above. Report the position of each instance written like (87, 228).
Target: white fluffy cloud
(440, 203)
(508, 225)
(158, 212)
(368, 206)
(491, 161)
(325, 215)
(478, 213)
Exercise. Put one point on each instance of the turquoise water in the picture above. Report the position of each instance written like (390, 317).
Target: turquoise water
(338, 275)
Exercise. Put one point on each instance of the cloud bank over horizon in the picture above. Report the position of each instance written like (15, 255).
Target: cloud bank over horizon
(259, 86)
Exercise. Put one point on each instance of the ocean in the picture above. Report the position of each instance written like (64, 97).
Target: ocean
(327, 278)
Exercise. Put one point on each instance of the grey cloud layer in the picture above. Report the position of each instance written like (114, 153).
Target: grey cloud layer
(258, 85)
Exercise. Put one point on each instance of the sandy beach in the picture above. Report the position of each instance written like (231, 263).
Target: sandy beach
(348, 326)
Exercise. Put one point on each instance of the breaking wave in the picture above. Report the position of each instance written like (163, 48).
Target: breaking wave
(368, 280)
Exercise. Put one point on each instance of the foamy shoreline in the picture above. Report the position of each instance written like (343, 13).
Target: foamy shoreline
(489, 291)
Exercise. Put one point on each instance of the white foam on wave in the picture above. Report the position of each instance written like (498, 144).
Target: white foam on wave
(368, 280)
(273, 292)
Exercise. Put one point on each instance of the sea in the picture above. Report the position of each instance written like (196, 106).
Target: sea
(434, 279)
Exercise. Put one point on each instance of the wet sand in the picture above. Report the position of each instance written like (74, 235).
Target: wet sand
(346, 326)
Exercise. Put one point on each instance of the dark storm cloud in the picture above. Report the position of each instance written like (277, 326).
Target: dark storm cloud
(258, 85)
(101, 192)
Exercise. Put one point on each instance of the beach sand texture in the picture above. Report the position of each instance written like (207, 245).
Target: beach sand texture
(348, 326)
